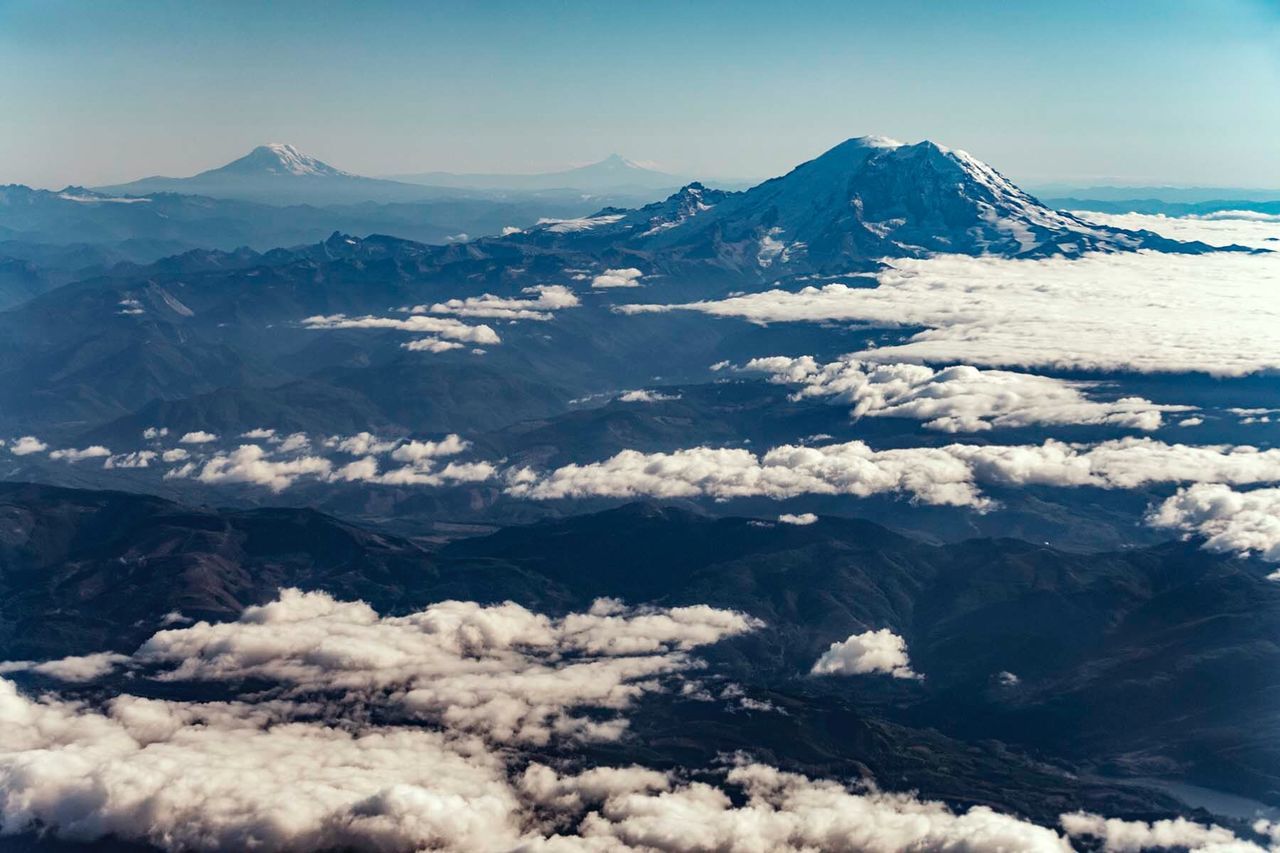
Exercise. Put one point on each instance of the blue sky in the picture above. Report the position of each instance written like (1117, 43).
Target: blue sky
(1141, 91)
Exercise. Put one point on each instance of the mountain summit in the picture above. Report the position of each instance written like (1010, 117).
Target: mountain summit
(867, 198)
(278, 173)
(278, 159)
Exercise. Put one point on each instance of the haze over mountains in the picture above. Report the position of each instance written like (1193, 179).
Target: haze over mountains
(279, 173)
(882, 469)
(867, 198)
(1169, 194)
(614, 174)
(842, 213)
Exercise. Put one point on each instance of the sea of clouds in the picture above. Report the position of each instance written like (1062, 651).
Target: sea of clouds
(1142, 311)
(382, 733)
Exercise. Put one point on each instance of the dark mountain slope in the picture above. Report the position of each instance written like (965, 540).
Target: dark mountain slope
(86, 570)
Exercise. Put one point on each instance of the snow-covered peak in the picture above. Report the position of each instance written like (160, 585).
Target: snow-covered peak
(874, 141)
(280, 158)
(846, 157)
(616, 163)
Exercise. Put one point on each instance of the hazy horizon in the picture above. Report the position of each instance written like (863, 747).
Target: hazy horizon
(1138, 94)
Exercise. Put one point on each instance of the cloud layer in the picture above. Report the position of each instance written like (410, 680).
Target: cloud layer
(956, 399)
(1144, 311)
(1123, 836)
(237, 776)
(283, 461)
(303, 765)
(502, 672)
(1224, 228)
(949, 475)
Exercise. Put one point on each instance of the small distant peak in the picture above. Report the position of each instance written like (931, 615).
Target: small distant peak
(281, 151)
(618, 163)
(281, 157)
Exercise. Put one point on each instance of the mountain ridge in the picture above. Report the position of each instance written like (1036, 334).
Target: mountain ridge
(862, 200)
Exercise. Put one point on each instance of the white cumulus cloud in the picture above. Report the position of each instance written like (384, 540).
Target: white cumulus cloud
(74, 669)
(778, 811)
(867, 653)
(301, 765)
(431, 345)
(26, 445)
(502, 671)
(283, 461)
(135, 459)
(1229, 520)
(235, 775)
(1132, 836)
(625, 277)
(251, 464)
(439, 327)
(948, 475)
(73, 455)
(646, 396)
(957, 399)
(543, 300)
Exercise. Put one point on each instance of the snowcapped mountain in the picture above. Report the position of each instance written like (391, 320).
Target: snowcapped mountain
(279, 173)
(866, 198)
(278, 158)
(614, 174)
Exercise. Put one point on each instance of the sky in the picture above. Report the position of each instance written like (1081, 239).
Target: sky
(1176, 92)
